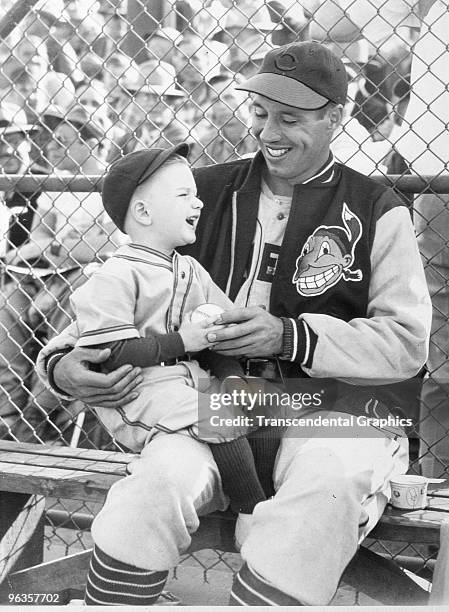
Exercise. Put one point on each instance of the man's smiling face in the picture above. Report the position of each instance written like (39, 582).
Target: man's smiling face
(294, 142)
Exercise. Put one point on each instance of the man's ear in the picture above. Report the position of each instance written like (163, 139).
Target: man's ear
(92, 143)
(335, 116)
(140, 209)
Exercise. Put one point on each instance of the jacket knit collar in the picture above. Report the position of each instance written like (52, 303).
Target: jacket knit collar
(325, 174)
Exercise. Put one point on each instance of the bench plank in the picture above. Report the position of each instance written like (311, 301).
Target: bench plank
(418, 526)
(53, 482)
(441, 492)
(425, 519)
(66, 463)
(67, 451)
(440, 504)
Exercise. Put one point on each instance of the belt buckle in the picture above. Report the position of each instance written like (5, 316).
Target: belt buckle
(169, 362)
(261, 368)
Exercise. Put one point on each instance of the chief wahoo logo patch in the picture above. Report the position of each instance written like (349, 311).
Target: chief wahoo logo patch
(327, 256)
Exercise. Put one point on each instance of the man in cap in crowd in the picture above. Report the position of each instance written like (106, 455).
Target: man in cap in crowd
(322, 265)
(160, 44)
(15, 151)
(223, 134)
(113, 30)
(80, 140)
(243, 29)
(148, 116)
(92, 96)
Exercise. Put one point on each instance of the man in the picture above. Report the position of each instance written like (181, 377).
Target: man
(15, 151)
(113, 30)
(324, 270)
(244, 29)
(223, 134)
(69, 231)
(160, 45)
(148, 116)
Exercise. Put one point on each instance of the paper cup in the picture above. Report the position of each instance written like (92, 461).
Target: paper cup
(409, 492)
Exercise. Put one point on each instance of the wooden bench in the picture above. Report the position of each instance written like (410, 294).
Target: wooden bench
(29, 473)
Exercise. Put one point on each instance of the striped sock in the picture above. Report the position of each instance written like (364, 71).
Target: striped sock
(111, 582)
(249, 589)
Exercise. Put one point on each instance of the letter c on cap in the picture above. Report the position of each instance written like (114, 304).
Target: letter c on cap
(286, 62)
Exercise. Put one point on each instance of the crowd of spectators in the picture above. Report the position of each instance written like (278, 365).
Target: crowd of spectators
(73, 98)
(165, 88)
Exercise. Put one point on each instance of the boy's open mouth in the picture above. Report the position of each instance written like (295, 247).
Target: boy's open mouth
(192, 221)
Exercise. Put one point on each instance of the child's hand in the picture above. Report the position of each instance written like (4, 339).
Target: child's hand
(194, 335)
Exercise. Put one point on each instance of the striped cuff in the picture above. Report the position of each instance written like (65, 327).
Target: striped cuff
(112, 582)
(250, 589)
(50, 363)
(298, 342)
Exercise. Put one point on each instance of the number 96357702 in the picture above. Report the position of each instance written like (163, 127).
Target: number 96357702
(34, 598)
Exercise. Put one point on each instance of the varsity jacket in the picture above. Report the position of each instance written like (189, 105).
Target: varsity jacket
(348, 276)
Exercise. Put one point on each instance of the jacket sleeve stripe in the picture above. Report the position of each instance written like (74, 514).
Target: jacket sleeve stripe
(295, 340)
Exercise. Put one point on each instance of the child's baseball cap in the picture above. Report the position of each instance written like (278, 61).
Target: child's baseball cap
(305, 75)
(124, 176)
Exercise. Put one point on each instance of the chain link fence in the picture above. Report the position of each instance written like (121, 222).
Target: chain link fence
(83, 82)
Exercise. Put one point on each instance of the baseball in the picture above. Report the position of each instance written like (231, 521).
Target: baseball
(205, 311)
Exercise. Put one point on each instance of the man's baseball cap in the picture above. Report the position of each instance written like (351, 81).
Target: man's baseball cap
(127, 173)
(305, 75)
(13, 120)
(80, 118)
(166, 32)
(249, 15)
(152, 76)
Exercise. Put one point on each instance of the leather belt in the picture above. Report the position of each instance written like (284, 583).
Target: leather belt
(262, 368)
(259, 368)
(174, 361)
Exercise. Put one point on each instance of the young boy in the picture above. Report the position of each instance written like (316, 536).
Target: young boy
(139, 304)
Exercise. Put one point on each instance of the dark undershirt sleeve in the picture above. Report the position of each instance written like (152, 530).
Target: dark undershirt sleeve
(220, 366)
(143, 352)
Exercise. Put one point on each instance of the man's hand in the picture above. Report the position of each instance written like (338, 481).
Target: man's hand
(251, 332)
(29, 250)
(72, 375)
